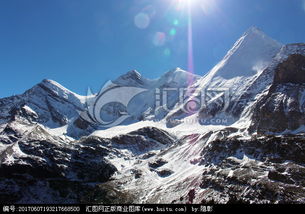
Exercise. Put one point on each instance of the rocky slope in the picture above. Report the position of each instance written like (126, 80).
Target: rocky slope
(282, 107)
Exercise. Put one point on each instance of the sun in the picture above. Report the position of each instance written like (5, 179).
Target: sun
(207, 6)
(183, 4)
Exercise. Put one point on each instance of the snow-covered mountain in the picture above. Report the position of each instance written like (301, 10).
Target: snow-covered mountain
(240, 75)
(144, 106)
(47, 104)
(243, 144)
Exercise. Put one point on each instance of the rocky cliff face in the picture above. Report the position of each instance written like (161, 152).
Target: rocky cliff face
(47, 171)
(283, 106)
(292, 70)
(266, 170)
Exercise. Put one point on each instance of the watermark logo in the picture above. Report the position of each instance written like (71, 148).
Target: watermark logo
(111, 93)
(191, 100)
(114, 99)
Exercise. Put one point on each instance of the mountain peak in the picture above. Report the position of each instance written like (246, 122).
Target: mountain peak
(179, 73)
(51, 83)
(131, 78)
(254, 30)
(254, 33)
(133, 75)
(54, 88)
(178, 70)
(250, 53)
(178, 77)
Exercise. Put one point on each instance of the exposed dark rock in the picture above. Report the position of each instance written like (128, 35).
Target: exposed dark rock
(45, 161)
(261, 170)
(143, 141)
(191, 196)
(22, 111)
(282, 108)
(276, 176)
(137, 173)
(165, 172)
(266, 149)
(291, 70)
(148, 155)
(155, 134)
(107, 194)
(10, 130)
(55, 115)
(157, 163)
(81, 123)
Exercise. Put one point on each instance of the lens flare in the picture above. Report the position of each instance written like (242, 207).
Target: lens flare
(190, 46)
(189, 7)
(150, 11)
(183, 4)
(167, 52)
(176, 22)
(207, 6)
(173, 32)
(142, 20)
(159, 39)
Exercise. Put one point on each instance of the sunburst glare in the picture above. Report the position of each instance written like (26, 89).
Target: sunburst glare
(207, 6)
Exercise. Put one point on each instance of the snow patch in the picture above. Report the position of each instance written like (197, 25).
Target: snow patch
(10, 153)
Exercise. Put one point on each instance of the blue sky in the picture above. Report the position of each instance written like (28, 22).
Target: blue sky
(84, 43)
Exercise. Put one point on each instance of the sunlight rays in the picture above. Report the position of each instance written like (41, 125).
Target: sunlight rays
(207, 6)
